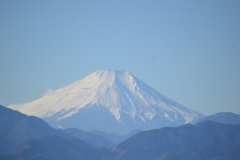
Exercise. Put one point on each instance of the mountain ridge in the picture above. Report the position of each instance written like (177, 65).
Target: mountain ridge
(207, 140)
(16, 128)
(223, 117)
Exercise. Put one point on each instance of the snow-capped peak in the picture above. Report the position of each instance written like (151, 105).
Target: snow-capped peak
(117, 94)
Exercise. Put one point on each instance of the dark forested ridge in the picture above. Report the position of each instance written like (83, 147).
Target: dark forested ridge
(53, 148)
(16, 128)
(207, 140)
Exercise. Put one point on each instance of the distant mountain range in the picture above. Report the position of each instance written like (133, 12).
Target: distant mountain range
(115, 138)
(109, 101)
(206, 141)
(223, 117)
(94, 140)
(30, 138)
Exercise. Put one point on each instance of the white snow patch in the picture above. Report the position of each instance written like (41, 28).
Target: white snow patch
(149, 115)
(60, 127)
(167, 116)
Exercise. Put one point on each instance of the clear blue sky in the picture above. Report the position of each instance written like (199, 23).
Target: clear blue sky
(187, 50)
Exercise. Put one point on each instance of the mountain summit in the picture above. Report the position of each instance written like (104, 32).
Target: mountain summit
(111, 101)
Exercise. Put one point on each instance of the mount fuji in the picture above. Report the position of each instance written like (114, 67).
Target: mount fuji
(110, 101)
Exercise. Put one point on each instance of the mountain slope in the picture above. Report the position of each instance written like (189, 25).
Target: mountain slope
(53, 148)
(207, 140)
(223, 117)
(111, 101)
(16, 128)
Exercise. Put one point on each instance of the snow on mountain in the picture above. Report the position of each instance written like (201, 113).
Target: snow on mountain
(112, 101)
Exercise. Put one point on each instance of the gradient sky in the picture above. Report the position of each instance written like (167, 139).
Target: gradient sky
(187, 50)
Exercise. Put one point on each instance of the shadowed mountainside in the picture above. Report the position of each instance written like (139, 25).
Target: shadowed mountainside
(208, 140)
(53, 148)
(16, 128)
